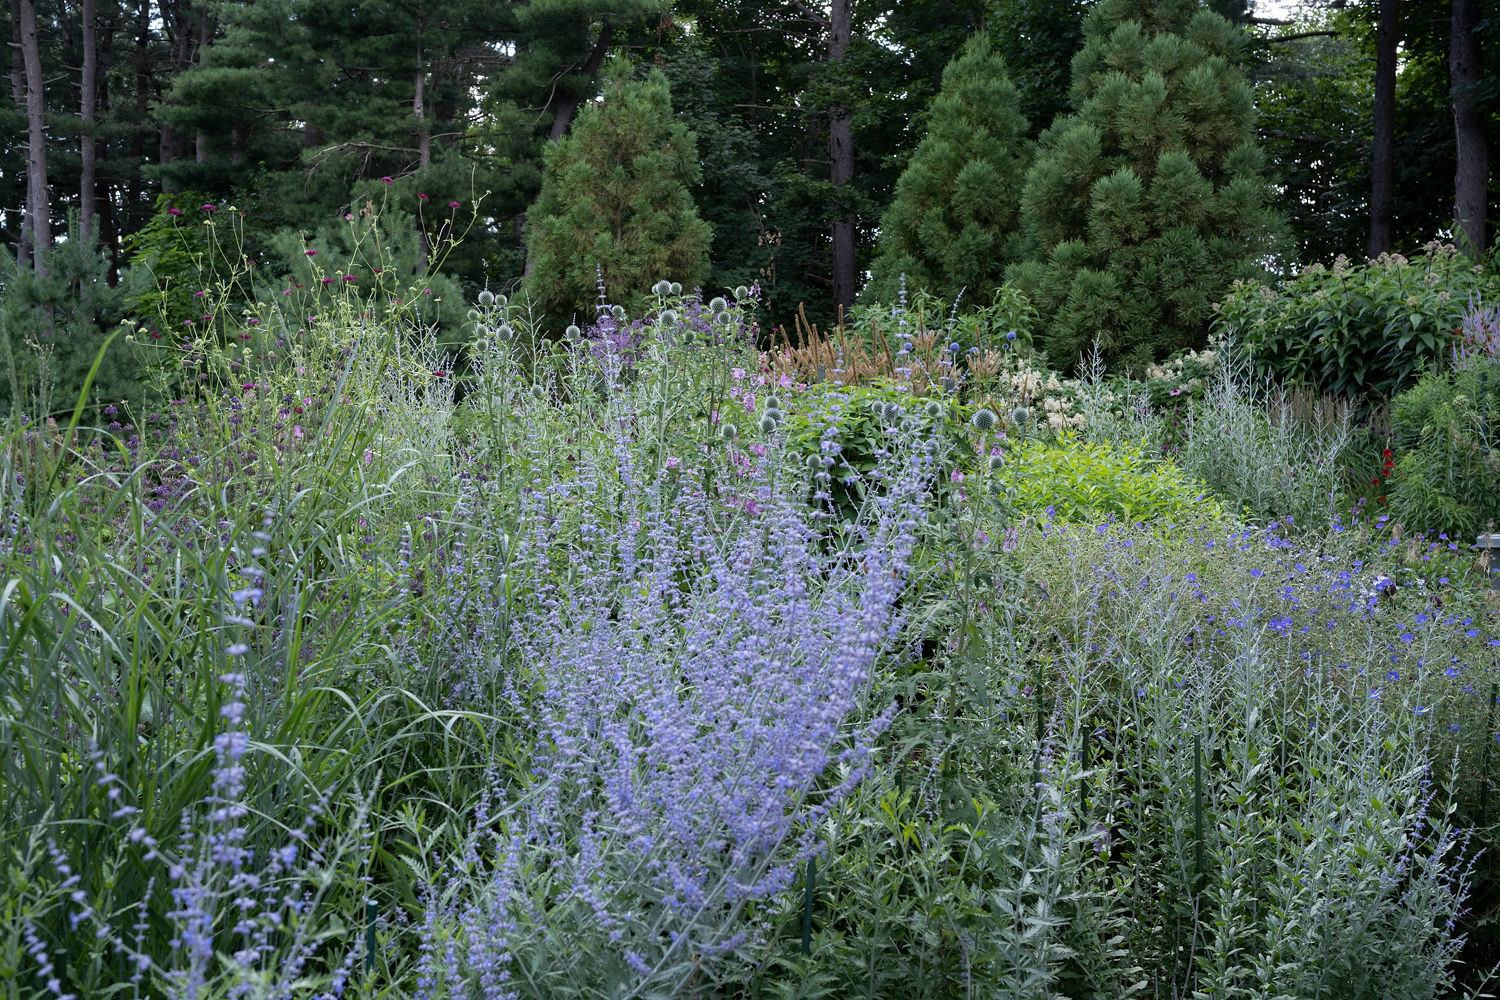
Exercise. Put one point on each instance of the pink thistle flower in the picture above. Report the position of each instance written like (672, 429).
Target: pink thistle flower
(421, 195)
(327, 281)
(174, 211)
(386, 179)
(287, 291)
(310, 253)
(210, 208)
(348, 277)
(452, 204)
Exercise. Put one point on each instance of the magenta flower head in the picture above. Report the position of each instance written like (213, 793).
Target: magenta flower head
(452, 204)
(349, 278)
(386, 179)
(210, 208)
(174, 211)
(421, 195)
(310, 253)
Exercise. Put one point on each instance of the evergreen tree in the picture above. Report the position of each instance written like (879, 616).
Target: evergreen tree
(615, 200)
(1148, 201)
(955, 221)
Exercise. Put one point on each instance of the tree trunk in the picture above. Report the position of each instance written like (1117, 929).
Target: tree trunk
(38, 219)
(88, 92)
(1465, 72)
(419, 111)
(18, 92)
(567, 105)
(1383, 164)
(841, 156)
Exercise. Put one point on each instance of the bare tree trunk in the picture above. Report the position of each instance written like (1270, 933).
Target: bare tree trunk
(841, 155)
(88, 92)
(18, 92)
(37, 208)
(567, 106)
(419, 110)
(1465, 72)
(1383, 162)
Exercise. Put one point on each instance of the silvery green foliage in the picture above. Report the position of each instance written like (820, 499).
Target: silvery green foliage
(699, 704)
(1249, 443)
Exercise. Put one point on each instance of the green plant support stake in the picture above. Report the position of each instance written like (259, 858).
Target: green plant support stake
(807, 905)
(1198, 812)
(1484, 773)
(370, 913)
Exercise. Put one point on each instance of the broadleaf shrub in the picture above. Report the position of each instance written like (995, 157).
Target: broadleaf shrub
(1446, 432)
(1357, 331)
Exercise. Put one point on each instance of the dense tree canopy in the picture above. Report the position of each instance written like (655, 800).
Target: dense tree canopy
(297, 112)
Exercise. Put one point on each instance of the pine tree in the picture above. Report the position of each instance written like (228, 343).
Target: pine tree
(615, 200)
(955, 221)
(1148, 201)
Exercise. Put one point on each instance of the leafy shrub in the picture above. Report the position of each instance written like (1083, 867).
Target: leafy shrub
(1446, 433)
(1082, 481)
(1357, 331)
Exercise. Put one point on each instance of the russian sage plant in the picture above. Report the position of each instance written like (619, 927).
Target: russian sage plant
(698, 683)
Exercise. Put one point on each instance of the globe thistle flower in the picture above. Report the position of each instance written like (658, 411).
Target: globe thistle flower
(741, 292)
(772, 403)
(729, 432)
(984, 420)
(767, 423)
(814, 463)
(890, 411)
(662, 288)
(722, 318)
(934, 409)
(954, 348)
(486, 297)
(775, 415)
(668, 317)
(618, 312)
(572, 331)
(1020, 415)
(717, 304)
(996, 461)
(676, 288)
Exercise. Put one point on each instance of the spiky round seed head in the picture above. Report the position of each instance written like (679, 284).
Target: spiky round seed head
(741, 292)
(729, 432)
(953, 348)
(775, 414)
(473, 315)
(814, 463)
(983, 420)
(934, 409)
(772, 403)
(572, 331)
(662, 288)
(501, 300)
(668, 317)
(676, 288)
(1020, 415)
(767, 424)
(723, 318)
(717, 304)
(618, 312)
(504, 330)
(890, 411)
(1010, 335)
(486, 297)
(996, 461)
